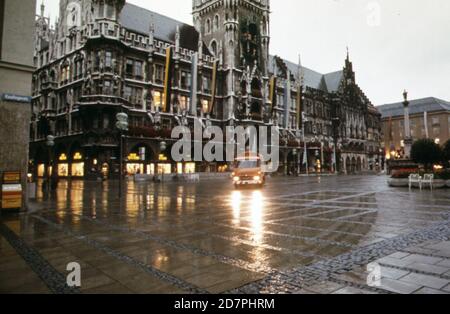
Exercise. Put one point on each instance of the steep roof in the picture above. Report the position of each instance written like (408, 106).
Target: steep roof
(333, 80)
(328, 83)
(416, 106)
(138, 19)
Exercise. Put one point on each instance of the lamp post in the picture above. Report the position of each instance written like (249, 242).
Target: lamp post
(122, 126)
(162, 148)
(294, 155)
(50, 143)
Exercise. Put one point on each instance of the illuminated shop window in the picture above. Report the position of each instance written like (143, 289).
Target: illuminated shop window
(78, 169)
(63, 170)
(189, 167)
(41, 170)
(135, 168)
(179, 168)
(151, 169)
(164, 168)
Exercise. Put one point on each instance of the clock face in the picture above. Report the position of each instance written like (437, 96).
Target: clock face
(73, 15)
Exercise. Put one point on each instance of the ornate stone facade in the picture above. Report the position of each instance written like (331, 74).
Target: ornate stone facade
(105, 57)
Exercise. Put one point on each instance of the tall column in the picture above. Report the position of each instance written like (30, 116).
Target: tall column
(407, 140)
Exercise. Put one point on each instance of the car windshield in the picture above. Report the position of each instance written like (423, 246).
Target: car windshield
(247, 164)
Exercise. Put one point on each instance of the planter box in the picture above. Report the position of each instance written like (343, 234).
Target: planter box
(437, 184)
(399, 183)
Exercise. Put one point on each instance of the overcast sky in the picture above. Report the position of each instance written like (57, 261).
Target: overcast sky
(394, 44)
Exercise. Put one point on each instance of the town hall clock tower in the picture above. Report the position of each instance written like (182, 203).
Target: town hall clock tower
(237, 32)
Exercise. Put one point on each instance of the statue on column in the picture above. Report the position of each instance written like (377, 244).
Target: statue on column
(408, 141)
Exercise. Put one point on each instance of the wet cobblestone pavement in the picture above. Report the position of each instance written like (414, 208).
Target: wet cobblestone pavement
(296, 235)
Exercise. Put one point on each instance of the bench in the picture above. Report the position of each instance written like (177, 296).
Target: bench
(415, 178)
(428, 179)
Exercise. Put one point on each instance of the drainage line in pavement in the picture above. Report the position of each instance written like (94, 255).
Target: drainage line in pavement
(128, 260)
(324, 270)
(254, 267)
(53, 279)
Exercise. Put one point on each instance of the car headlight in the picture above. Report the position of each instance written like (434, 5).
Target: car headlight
(257, 178)
(236, 179)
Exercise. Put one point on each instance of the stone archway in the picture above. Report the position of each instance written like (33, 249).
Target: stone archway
(358, 165)
(348, 165)
(353, 167)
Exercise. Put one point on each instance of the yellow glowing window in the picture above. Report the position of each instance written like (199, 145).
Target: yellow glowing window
(158, 99)
(151, 169)
(189, 167)
(133, 169)
(63, 170)
(205, 105)
(179, 168)
(78, 169)
(77, 156)
(41, 170)
(63, 157)
(164, 169)
(133, 157)
(162, 157)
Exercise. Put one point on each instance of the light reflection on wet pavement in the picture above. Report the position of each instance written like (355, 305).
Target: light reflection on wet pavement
(206, 237)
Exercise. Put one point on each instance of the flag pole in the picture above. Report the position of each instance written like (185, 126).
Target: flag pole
(305, 154)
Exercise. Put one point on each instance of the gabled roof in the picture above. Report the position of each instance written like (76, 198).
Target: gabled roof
(138, 19)
(333, 80)
(328, 83)
(417, 106)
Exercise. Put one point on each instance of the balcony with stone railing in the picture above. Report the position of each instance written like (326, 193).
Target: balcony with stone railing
(45, 86)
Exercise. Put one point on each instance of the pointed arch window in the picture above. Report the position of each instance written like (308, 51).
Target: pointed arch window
(208, 26)
(216, 23)
(214, 48)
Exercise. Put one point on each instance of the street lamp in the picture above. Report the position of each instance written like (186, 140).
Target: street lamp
(157, 120)
(162, 149)
(122, 126)
(50, 143)
(294, 155)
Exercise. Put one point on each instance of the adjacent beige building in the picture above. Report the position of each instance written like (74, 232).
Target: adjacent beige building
(430, 118)
(17, 19)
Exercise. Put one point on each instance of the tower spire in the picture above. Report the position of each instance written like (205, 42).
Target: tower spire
(42, 8)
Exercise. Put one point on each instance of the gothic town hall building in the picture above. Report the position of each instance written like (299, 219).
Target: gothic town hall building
(103, 57)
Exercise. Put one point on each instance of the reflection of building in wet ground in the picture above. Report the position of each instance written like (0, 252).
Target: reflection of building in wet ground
(208, 237)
